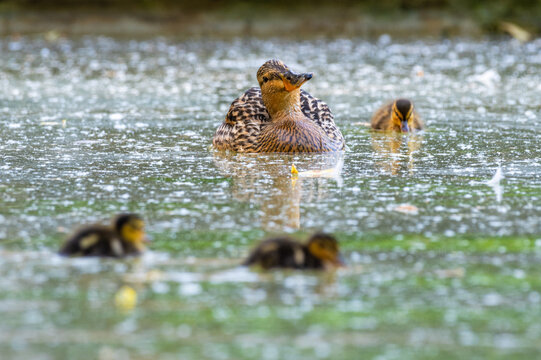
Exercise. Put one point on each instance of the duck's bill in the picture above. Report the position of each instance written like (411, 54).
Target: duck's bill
(294, 81)
(405, 127)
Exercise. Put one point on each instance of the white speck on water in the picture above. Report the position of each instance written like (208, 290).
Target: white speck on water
(189, 289)
(481, 110)
(184, 331)
(489, 78)
(116, 116)
(160, 287)
(519, 274)
(109, 188)
(492, 299)
(384, 39)
(494, 183)
(530, 115)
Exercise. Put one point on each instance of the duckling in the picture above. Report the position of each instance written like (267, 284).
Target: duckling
(319, 252)
(278, 117)
(125, 237)
(399, 115)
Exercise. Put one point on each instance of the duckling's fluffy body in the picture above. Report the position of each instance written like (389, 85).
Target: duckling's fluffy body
(124, 238)
(398, 115)
(283, 253)
(320, 252)
(278, 117)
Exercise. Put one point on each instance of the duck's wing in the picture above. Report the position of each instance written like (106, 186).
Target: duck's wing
(319, 112)
(381, 118)
(243, 123)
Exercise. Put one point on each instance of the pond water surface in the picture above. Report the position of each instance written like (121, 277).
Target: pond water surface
(442, 262)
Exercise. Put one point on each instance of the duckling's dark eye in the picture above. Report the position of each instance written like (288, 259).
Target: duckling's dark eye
(265, 79)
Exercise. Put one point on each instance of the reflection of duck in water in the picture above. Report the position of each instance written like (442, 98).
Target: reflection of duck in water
(266, 181)
(399, 115)
(125, 237)
(278, 117)
(319, 252)
(388, 146)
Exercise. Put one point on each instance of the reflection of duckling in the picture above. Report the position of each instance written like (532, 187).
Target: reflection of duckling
(125, 237)
(399, 115)
(320, 252)
(389, 146)
(278, 118)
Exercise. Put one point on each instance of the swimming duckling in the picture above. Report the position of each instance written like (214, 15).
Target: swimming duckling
(278, 117)
(319, 252)
(125, 237)
(399, 115)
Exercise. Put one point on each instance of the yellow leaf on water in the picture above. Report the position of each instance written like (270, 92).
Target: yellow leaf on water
(294, 170)
(126, 298)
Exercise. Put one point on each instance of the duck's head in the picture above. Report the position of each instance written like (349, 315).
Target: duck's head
(325, 248)
(402, 114)
(280, 87)
(131, 228)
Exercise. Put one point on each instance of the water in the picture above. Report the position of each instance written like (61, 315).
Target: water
(442, 262)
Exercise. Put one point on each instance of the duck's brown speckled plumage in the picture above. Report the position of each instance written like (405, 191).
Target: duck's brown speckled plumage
(248, 127)
(107, 241)
(319, 252)
(388, 116)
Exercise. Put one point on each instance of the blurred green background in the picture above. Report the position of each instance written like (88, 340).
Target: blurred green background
(304, 18)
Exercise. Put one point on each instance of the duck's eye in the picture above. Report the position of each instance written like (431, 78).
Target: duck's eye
(265, 79)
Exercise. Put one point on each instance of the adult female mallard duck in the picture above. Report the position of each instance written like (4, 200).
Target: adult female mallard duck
(125, 237)
(399, 115)
(278, 117)
(319, 252)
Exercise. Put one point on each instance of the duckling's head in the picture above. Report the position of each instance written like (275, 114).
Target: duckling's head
(280, 87)
(131, 228)
(402, 114)
(325, 248)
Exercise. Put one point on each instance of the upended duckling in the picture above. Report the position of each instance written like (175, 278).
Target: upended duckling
(399, 115)
(319, 252)
(278, 117)
(125, 237)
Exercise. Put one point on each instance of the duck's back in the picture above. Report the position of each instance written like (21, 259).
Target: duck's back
(248, 116)
(96, 240)
(278, 253)
(382, 117)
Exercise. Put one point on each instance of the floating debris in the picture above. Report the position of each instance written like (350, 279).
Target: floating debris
(516, 31)
(489, 78)
(407, 209)
(451, 273)
(494, 183)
